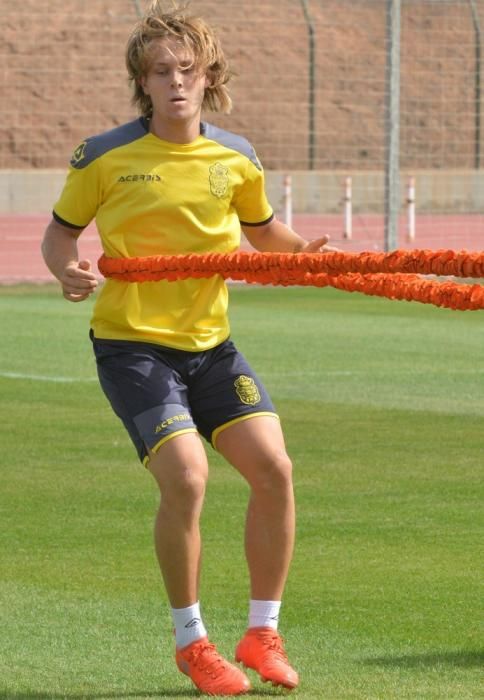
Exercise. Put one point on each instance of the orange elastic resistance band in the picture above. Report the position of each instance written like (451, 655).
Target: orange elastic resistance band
(393, 275)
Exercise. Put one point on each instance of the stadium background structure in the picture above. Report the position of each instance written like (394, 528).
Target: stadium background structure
(68, 81)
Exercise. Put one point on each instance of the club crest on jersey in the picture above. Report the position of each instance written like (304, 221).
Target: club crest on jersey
(247, 390)
(219, 180)
(78, 154)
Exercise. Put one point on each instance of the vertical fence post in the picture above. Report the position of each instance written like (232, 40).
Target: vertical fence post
(312, 85)
(392, 125)
(477, 85)
(137, 7)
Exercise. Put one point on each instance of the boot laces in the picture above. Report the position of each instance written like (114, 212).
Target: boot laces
(274, 643)
(206, 658)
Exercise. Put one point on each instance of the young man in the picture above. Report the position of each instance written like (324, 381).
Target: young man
(168, 183)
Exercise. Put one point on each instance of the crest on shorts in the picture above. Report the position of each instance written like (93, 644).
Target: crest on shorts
(78, 154)
(219, 179)
(247, 390)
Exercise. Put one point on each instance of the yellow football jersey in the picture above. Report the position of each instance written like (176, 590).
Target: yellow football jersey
(153, 197)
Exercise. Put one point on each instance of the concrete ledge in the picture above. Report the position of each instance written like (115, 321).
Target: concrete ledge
(29, 191)
(321, 192)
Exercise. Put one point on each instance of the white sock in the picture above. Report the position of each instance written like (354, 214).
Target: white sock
(264, 613)
(188, 625)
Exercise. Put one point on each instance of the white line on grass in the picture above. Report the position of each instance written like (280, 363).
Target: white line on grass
(44, 378)
(374, 372)
(302, 373)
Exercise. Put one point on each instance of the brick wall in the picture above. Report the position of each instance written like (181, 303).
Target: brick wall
(63, 79)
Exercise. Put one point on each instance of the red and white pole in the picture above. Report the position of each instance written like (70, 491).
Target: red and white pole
(411, 209)
(347, 209)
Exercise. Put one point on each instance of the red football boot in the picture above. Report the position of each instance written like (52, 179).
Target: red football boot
(209, 671)
(261, 648)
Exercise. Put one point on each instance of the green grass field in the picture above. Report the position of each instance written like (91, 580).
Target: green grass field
(383, 408)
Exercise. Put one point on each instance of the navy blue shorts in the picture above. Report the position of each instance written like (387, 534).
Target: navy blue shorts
(160, 392)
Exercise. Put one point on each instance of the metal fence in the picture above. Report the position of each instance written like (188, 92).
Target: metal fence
(377, 90)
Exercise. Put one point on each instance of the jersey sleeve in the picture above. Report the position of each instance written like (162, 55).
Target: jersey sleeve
(81, 195)
(250, 201)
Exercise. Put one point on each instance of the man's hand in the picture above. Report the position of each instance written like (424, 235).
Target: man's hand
(59, 248)
(276, 237)
(318, 245)
(77, 280)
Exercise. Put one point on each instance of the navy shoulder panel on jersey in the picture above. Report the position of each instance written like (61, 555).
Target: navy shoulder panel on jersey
(96, 146)
(229, 140)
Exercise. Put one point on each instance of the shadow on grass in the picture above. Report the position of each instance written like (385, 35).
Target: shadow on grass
(6, 694)
(115, 695)
(458, 659)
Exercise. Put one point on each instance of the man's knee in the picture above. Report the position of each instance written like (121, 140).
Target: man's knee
(181, 476)
(273, 473)
(187, 483)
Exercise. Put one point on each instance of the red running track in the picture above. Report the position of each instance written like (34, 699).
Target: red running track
(20, 236)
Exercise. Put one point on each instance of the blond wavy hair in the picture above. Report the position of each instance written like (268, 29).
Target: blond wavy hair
(195, 35)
